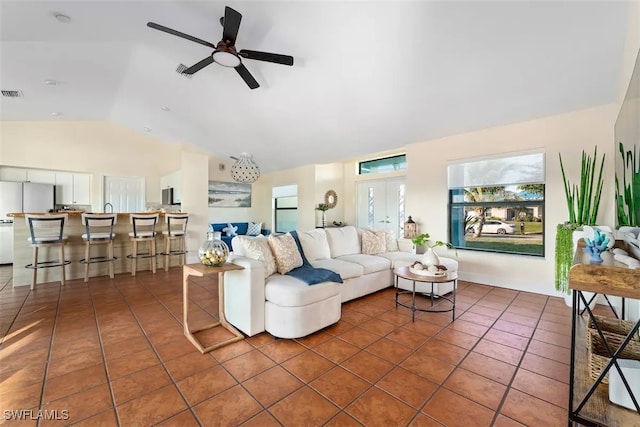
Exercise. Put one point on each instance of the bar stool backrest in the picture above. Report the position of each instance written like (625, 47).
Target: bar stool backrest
(99, 226)
(144, 225)
(176, 223)
(46, 228)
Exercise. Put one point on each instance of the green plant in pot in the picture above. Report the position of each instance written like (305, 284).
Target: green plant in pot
(583, 203)
(322, 207)
(430, 257)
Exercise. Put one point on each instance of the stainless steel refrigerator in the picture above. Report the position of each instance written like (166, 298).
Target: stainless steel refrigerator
(20, 197)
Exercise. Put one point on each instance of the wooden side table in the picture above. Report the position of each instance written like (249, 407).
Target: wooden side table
(200, 270)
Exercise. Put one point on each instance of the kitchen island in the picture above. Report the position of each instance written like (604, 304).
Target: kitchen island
(74, 250)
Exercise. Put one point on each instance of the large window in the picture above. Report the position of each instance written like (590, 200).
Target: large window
(383, 165)
(497, 205)
(286, 213)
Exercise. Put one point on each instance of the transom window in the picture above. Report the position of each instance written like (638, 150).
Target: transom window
(383, 165)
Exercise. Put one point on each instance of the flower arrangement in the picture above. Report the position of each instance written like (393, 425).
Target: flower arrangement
(323, 207)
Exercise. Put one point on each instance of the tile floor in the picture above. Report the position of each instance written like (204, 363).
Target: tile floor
(112, 352)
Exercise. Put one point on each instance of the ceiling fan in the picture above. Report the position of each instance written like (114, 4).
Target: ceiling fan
(225, 53)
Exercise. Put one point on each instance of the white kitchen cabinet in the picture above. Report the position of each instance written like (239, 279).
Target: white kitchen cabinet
(73, 188)
(41, 176)
(81, 189)
(13, 174)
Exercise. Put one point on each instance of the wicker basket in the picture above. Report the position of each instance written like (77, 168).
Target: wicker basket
(614, 331)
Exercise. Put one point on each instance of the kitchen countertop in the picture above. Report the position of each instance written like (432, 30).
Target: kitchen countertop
(78, 213)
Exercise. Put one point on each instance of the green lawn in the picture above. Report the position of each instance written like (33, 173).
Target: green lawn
(510, 246)
(529, 227)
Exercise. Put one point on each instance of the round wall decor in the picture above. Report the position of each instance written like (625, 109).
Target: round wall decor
(331, 199)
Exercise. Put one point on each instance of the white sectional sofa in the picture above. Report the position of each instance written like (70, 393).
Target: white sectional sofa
(289, 308)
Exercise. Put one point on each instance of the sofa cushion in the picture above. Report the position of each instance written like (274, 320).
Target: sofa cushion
(285, 250)
(288, 291)
(343, 241)
(369, 263)
(314, 244)
(345, 269)
(254, 228)
(373, 242)
(258, 248)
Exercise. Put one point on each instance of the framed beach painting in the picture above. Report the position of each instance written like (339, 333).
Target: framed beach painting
(229, 195)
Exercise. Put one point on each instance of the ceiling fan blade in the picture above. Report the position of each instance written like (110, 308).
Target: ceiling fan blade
(231, 24)
(199, 66)
(266, 56)
(179, 34)
(247, 77)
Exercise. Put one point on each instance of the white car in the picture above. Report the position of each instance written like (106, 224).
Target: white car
(492, 226)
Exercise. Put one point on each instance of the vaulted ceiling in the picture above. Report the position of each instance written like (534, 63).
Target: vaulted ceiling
(368, 76)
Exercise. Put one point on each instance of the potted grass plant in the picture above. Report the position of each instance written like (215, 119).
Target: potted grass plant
(583, 203)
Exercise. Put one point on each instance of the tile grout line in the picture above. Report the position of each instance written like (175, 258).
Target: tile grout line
(104, 358)
(441, 385)
(4, 336)
(51, 341)
(153, 348)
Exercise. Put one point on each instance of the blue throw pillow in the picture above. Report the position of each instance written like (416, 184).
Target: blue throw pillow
(254, 228)
(230, 230)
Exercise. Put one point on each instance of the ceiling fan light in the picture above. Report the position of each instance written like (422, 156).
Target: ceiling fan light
(226, 59)
(245, 169)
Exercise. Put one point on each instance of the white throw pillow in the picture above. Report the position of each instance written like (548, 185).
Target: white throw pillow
(258, 248)
(373, 242)
(314, 244)
(286, 252)
(391, 243)
(254, 228)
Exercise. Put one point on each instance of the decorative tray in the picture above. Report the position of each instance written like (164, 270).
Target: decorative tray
(424, 272)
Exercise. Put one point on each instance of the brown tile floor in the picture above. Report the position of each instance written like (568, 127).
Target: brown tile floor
(112, 352)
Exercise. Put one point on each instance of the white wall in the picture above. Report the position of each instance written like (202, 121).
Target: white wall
(566, 133)
(195, 199)
(304, 177)
(330, 177)
(97, 148)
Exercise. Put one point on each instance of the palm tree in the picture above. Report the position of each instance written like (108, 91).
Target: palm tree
(479, 195)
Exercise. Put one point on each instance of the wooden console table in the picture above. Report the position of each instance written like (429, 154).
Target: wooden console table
(588, 399)
(200, 270)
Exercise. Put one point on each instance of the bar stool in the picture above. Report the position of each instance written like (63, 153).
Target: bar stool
(144, 230)
(46, 231)
(98, 231)
(176, 230)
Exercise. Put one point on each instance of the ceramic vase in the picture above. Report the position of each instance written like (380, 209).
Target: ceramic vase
(430, 258)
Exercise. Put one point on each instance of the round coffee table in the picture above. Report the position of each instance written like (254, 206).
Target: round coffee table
(450, 304)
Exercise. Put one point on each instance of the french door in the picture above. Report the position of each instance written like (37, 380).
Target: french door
(380, 204)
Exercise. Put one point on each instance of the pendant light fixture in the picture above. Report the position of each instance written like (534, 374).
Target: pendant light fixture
(245, 169)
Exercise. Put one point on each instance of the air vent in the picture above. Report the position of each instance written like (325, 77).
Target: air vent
(12, 93)
(180, 70)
